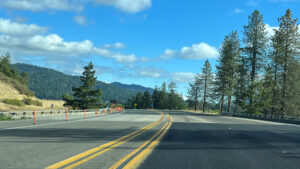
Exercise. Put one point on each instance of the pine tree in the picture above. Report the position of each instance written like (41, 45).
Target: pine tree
(206, 79)
(85, 96)
(276, 62)
(163, 97)
(172, 96)
(288, 28)
(255, 41)
(227, 68)
(240, 91)
(147, 100)
(194, 91)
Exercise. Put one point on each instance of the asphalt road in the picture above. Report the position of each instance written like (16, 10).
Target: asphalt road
(148, 139)
(212, 142)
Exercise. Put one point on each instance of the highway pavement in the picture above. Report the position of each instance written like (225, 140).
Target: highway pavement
(150, 139)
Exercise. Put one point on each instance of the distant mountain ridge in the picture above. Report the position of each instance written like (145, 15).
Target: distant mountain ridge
(132, 87)
(51, 84)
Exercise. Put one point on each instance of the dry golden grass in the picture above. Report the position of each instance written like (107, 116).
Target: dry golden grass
(8, 92)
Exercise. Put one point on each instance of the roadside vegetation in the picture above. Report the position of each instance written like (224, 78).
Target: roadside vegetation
(165, 97)
(10, 75)
(4, 117)
(22, 103)
(85, 96)
(255, 74)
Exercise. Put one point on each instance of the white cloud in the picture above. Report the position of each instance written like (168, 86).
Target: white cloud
(168, 54)
(270, 30)
(194, 52)
(41, 5)
(199, 51)
(9, 27)
(237, 10)
(152, 72)
(182, 77)
(50, 45)
(81, 20)
(129, 6)
(117, 45)
(252, 3)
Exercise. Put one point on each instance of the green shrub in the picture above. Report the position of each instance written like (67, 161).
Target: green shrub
(29, 101)
(14, 102)
(37, 103)
(5, 117)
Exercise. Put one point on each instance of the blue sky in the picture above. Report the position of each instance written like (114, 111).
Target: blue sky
(141, 42)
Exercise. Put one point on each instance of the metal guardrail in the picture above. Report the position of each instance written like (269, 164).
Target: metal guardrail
(60, 114)
(278, 117)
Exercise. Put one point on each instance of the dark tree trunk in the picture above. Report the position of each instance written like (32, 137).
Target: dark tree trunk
(204, 97)
(222, 103)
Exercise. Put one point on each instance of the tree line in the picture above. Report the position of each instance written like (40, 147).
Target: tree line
(164, 97)
(10, 71)
(254, 74)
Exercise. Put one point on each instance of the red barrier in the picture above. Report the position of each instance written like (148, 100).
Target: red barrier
(34, 118)
(66, 114)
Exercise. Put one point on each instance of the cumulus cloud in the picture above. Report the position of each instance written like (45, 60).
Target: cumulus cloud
(41, 5)
(152, 72)
(270, 30)
(238, 10)
(168, 54)
(129, 6)
(117, 45)
(50, 44)
(194, 52)
(9, 27)
(79, 19)
(182, 77)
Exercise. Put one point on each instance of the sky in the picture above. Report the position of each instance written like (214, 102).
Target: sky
(143, 42)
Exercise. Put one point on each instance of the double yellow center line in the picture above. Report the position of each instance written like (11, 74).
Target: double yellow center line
(90, 154)
(139, 154)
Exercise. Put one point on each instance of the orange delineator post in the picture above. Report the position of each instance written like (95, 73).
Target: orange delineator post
(34, 118)
(66, 114)
(84, 114)
(96, 112)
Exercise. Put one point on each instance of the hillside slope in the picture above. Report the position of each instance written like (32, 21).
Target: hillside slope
(51, 84)
(7, 91)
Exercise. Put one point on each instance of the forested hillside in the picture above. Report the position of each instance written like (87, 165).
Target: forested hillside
(51, 84)
(133, 87)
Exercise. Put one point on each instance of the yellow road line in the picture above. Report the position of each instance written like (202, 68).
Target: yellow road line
(91, 151)
(121, 161)
(137, 160)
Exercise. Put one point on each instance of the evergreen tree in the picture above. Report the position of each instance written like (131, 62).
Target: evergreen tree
(147, 100)
(288, 29)
(163, 97)
(139, 100)
(194, 92)
(227, 69)
(155, 98)
(206, 79)
(240, 91)
(172, 100)
(85, 96)
(255, 41)
(276, 62)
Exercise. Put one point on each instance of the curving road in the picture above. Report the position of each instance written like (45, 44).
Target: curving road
(148, 139)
